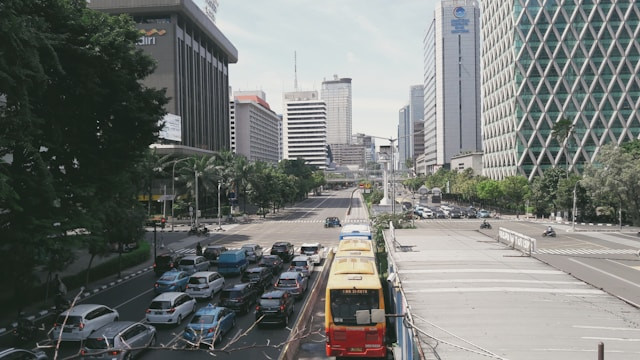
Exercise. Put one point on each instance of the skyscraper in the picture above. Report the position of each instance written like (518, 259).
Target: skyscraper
(545, 61)
(336, 94)
(305, 128)
(256, 131)
(452, 82)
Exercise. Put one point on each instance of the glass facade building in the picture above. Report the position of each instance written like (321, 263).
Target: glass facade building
(549, 60)
(336, 94)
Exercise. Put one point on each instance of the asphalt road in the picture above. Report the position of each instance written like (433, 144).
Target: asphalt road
(298, 224)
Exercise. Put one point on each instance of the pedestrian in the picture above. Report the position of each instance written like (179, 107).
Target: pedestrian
(198, 250)
(60, 286)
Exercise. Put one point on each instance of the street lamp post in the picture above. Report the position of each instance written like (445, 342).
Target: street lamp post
(196, 178)
(173, 188)
(573, 226)
(219, 214)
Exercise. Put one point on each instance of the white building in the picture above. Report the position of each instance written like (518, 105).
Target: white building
(336, 94)
(452, 83)
(256, 130)
(305, 128)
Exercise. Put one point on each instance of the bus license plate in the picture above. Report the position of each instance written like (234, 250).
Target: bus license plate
(355, 349)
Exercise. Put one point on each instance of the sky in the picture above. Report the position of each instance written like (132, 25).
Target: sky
(376, 43)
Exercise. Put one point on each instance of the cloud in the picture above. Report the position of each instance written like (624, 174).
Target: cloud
(352, 58)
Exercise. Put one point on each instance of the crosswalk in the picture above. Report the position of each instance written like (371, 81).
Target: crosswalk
(265, 251)
(587, 251)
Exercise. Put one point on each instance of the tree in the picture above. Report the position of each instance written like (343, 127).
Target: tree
(77, 117)
(515, 190)
(489, 190)
(561, 131)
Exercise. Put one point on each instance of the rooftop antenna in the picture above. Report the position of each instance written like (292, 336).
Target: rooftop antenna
(295, 71)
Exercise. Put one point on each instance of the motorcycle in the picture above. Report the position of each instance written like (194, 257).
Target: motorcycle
(551, 233)
(485, 225)
(201, 230)
(25, 330)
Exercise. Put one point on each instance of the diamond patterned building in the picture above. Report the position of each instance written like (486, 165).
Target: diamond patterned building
(547, 60)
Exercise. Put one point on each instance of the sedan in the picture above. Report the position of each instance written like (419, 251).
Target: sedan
(172, 280)
(254, 252)
(273, 262)
(484, 214)
(209, 325)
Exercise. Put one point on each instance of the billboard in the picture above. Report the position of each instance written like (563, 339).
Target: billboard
(172, 129)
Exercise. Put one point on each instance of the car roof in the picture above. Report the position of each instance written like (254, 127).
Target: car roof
(249, 245)
(269, 257)
(82, 309)
(273, 294)
(111, 329)
(173, 271)
(202, 273)
(215, 246)
(281, 243)
(257, 269)
(301, 257)
(191, 257)
(290, 275)
(170, 295)
(209, 309)
(310, 244)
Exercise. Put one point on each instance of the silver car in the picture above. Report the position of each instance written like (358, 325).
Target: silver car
(82, 320)
(193, 263)
(170, 308)
(119, 340)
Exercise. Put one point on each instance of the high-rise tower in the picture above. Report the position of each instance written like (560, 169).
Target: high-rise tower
(337, 95)
(305, 128)
(550, 60)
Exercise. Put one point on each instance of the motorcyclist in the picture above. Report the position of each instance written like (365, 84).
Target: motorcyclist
(549, 230)
(61, 302)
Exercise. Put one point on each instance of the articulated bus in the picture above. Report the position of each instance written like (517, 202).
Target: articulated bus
(355, 247)
(355, 230)
(355, 322)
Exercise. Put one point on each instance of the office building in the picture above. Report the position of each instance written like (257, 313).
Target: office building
(369, 144)
(405, 139)
(452, 83)
(336, 94)
(256, 130)
(193, 58)
(305, 128)
(576, 61)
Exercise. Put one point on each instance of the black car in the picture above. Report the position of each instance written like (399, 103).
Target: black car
(239, 297)
(211, 252)
(273, 262)
(332, 221)
(165, 262)
(260, 276)
(274, 307)
(283, 249)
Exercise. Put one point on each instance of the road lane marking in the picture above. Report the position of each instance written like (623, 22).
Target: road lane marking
(604, 328)
(133, 298)
(510, 289)
(605, 273)
(447, 281)
(505, 271)
(610, 339)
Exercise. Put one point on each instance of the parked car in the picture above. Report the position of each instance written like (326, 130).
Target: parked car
(233, 262)
(275, 307)
(82, 320)
(260, 276)
(439, 214)
(193, 263)
(273, 262)
(239, 297)
(483, 214)
(303, 264)
(209, 325)
(172, 280)
(165, 262)
(170, 308)
(254, 252)
(119, 340)
(427, 213)
(22, 354)
(313, 250)
(293, 282)
(332, 221)
(204, 284)
(212, 252)
(283, 249)
(455, 213)
(471, 213)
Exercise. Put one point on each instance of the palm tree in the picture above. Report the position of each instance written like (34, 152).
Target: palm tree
(561, 131)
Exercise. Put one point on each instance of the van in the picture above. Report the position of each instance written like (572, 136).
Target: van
(233, 262)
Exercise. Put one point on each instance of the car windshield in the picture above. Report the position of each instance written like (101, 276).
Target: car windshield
(98, 343)
(299, 263)
(202, 319)
(167, 277)
(280, 247)
(268, 261)
(160, 305)
(269, 302)
(186, 262)
(287, 282)
(231, 294)
(72, 320)
(197, 280)
(309, 249)
(163, 260)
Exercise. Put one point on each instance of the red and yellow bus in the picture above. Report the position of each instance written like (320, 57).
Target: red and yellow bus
(355, 322)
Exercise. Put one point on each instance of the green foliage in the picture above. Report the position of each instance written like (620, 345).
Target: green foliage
(515, 189)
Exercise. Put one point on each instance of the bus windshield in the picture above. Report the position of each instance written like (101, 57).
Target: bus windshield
(345, 303)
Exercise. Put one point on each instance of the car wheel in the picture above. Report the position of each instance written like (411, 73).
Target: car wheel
(179, 321)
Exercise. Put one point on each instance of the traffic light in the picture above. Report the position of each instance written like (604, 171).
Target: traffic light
(163, 221)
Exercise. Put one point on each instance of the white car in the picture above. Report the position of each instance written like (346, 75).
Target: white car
(82, 320)
(313, 250)
(204, 284)
(302, 264)
(170, 308)
(426, 213)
